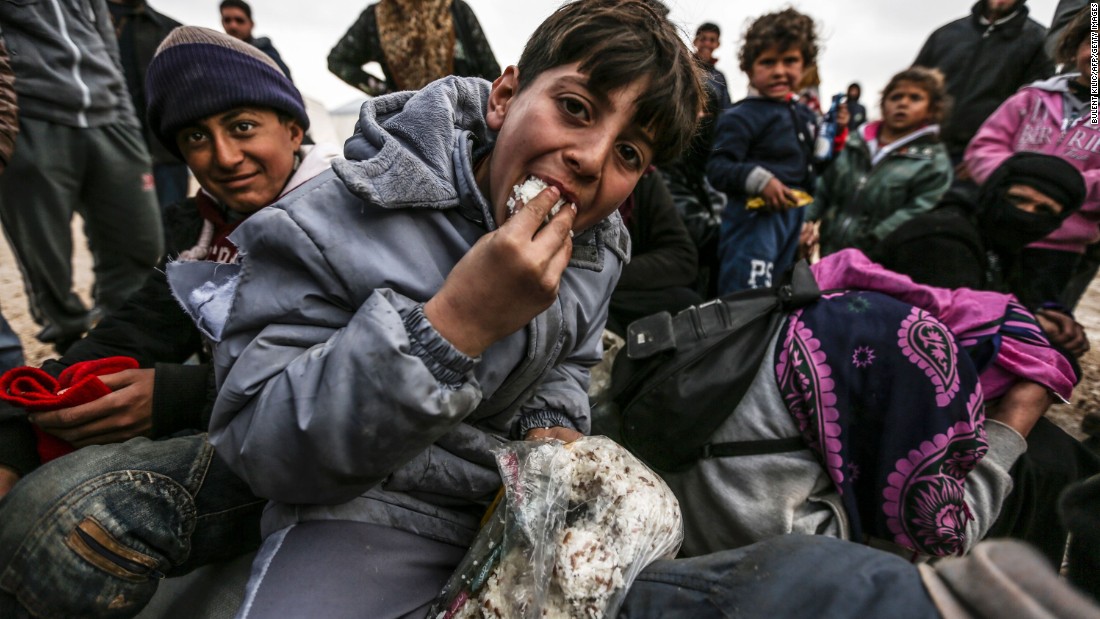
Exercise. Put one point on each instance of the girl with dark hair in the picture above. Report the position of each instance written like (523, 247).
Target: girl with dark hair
(890, 170)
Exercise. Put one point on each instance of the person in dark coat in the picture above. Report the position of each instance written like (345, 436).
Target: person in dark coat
(707, 39)
(857, 113)
(140, 29)
(663, 261)
(985, 56)
(402, 36)
(237, 23)
(973, 239)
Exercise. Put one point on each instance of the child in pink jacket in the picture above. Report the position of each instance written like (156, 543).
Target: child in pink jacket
(1051, 117)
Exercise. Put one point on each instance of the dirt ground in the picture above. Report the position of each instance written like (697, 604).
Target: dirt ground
(14, 304)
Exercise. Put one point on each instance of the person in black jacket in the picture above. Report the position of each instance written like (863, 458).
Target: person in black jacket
(140, 29)
(663, 261)
(237, 23)
(973, 239)
(985, 56)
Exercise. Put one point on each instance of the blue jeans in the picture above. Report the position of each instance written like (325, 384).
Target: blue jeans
(92, 533)
(788, 577)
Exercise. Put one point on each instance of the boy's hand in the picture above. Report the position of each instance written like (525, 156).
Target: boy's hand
(119, 416)
(565, 435)
(777, 196)
(507, 278)
(808, 240)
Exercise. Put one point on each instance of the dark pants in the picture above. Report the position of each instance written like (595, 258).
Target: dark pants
(1053, 461)
(788, 577)
(340, 569)
(755, 246)
(103, 173)
(108, 522)
(1080, 511)
(171, 180)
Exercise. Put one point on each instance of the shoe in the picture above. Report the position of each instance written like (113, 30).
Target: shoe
(54, 334)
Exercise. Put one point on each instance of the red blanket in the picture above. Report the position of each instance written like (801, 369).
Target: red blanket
(36, 391)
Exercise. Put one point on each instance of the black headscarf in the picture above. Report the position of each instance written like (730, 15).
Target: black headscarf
(1008, 229)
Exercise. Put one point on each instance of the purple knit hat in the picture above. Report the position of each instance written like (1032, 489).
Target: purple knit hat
(197, 72)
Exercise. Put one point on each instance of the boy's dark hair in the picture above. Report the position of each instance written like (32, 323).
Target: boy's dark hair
(236, 4)
(708, 27)
(787, 29)
(618, 42)
(1076, 32)
(930, 81)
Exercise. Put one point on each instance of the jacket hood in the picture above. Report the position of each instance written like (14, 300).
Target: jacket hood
(1058, 83)
(1009, 25)
(416, 149)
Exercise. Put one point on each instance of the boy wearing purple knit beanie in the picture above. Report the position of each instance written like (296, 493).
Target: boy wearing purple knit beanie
(123, 511)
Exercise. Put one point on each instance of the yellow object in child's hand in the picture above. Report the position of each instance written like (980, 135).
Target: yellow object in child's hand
(801, 199)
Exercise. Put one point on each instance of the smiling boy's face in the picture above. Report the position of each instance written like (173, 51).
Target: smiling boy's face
(243, 157)
(705, 44)
(572, 137)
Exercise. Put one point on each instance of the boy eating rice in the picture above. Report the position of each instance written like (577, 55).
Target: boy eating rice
(392, 322)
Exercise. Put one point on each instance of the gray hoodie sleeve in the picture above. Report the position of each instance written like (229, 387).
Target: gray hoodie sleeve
(320, 400)
(989, 484)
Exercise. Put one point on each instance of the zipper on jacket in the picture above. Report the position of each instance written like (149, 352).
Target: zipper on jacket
(85, 92)
(120, 561)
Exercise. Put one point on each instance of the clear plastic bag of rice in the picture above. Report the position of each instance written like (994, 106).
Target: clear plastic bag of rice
(576, 525)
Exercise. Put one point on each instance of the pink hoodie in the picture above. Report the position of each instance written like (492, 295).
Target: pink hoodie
(1033, 120)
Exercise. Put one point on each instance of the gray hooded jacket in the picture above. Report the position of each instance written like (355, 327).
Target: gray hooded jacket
(65, 58)
(337, 399)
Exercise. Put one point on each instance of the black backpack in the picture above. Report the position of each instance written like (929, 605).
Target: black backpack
(681, 376)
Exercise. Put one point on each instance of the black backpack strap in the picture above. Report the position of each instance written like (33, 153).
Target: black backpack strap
(753, 448)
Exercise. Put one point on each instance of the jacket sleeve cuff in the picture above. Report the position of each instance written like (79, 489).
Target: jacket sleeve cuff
(531, 419)
(757, 180)
(1005, 444)
(17, 445)
(182, 398)
(446, 363)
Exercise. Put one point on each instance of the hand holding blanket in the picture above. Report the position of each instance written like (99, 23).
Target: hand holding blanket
(35, 391)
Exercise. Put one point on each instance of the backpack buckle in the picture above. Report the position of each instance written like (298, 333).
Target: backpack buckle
(649, 336)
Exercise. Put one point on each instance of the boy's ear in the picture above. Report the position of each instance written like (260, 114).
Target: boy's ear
(296, 133)
(505, 89)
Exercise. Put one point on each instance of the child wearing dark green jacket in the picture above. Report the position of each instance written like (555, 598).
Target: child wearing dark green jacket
(890, 170)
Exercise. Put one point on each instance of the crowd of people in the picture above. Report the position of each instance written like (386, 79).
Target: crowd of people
(303, 370)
